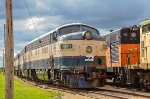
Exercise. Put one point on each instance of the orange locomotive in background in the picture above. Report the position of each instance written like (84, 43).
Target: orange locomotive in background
(123, 47)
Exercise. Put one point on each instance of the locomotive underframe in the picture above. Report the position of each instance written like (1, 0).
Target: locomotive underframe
(136, 75)
(67, 77)
(139, 75)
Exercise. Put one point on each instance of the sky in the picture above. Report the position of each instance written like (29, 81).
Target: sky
(104, 15)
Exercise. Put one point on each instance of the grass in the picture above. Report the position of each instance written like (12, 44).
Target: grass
(23, 90)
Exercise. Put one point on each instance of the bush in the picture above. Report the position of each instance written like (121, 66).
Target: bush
(0, 70)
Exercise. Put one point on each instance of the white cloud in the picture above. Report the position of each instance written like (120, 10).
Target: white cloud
(74, 2)
(42, 24)
(1, 42)
(1, 57)
(41, 4)
(103, 31)
(35, 21)
(19, 45)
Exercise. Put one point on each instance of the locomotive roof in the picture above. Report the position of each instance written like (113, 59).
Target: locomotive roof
(56, 29)
(115, 31)
(146, 21)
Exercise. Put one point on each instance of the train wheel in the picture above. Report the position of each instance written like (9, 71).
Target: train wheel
(142, 85)
(145, 85)
(136, 83)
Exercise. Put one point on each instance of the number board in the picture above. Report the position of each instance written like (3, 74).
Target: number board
(66, 46)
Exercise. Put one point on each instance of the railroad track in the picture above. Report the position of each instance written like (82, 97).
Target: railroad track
(127, 91)
(97, 93)
(93, 93)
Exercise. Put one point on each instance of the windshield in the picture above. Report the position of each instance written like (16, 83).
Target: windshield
(87, 28)
(146, 28)
(76, 28)
(69, 29)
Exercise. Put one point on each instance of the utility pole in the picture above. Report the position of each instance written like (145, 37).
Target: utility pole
(3, 61)
(9, 52)
(4, 52)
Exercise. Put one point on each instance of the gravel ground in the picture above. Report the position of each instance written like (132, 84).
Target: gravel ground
(76, 96)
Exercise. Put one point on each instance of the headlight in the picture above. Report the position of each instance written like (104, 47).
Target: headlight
(133, 34)
(87, 35)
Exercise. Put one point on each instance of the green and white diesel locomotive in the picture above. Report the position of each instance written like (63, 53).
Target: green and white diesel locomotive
(71, 55)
